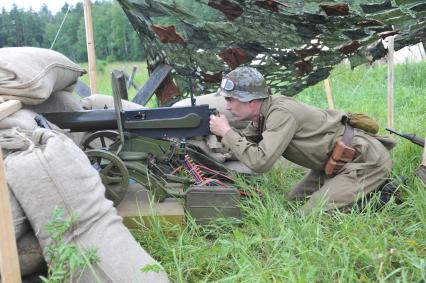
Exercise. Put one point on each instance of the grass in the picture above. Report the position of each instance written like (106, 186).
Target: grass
(273, 243)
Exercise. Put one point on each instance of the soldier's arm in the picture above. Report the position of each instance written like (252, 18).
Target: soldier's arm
(251, 133)
(261, 156)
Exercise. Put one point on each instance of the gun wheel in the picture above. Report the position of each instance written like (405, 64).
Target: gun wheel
(113, 173)
(106, 140)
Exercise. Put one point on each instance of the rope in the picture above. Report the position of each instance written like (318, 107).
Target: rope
(60, 27)
(362, 80)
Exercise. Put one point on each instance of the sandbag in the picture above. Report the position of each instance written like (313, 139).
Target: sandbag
(31, 260)
(56, 173)
(20, 222)
(60, 101)
(102, 101)
(24, 120)
(31, 74)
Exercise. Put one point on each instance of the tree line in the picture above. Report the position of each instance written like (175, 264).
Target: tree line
(115, 39)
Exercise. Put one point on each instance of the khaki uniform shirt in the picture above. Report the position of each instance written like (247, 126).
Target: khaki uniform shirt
(301, 133)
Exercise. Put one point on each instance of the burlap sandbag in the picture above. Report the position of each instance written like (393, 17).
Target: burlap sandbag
(102, 101)
(20, 222)
(60, 101)
(31, 260)
(32, 74)
(24, 120)
(30, 255)
(56, 173)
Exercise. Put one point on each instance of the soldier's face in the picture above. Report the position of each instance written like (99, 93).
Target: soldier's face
(242, 111)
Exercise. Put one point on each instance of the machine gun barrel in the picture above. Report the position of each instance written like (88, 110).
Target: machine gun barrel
(163, 122)
(82, 121)
(411, 137)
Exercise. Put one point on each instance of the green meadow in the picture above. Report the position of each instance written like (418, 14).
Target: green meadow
(273, 243)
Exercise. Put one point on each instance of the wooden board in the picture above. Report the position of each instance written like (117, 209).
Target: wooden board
(154, 81)
(136, 207)
(9, 263)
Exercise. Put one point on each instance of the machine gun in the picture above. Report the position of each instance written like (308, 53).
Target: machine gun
(149, 146)
(411, 137)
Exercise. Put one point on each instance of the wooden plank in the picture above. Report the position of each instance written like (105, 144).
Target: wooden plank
(154, 81)
(328, 94)
(390, 81)
(9, 107)
(118, 79)
(9, 262)
(136, 207)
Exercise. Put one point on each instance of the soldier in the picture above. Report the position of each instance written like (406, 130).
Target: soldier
(304, 135)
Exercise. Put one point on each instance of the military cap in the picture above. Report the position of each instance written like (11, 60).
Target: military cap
(244, 84)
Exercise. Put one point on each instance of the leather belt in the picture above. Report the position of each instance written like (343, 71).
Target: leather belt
(348, 135)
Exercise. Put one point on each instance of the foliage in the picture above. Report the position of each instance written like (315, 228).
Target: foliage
(273, 243)
(114, 37)
(65, 259)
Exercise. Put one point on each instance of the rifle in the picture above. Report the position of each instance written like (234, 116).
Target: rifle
(411, 137)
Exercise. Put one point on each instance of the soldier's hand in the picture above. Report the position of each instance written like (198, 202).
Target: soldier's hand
(219, 125)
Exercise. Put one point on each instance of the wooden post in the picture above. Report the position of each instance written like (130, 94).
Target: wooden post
(328, 94)
(424, 157)
(91, 56)
(390, 81)
(9, 262)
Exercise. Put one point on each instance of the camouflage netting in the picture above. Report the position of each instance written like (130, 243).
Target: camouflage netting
(294, 44)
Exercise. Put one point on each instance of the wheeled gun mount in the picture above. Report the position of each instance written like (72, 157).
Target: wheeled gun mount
(411, 137)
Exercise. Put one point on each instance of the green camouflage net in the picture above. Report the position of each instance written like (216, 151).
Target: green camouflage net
(294, 44)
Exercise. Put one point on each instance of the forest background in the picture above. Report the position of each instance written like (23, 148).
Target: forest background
(115, 39)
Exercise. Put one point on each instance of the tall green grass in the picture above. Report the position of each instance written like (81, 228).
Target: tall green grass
(273, 243)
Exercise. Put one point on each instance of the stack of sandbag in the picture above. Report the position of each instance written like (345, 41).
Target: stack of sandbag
(43, 80)
(45, 169)
(51, 171)
(31, 75)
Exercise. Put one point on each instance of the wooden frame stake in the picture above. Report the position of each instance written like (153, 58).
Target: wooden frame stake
(390, 81)
(90, 45)
(328, 94)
